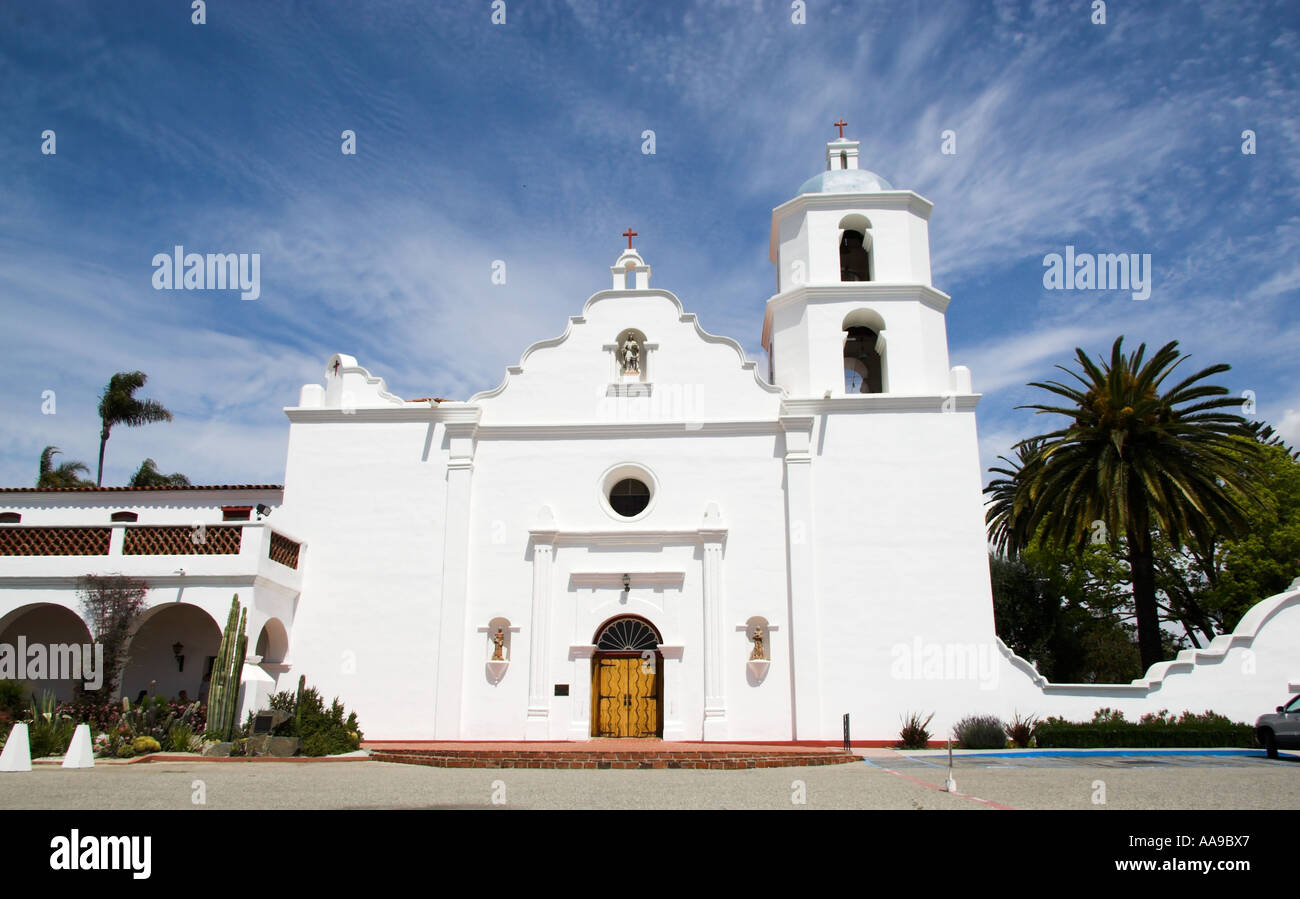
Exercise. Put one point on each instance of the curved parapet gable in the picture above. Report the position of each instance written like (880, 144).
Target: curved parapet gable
(745, 362)
(348, 387)
(532, 348)
(1242, 674)
(681, 372)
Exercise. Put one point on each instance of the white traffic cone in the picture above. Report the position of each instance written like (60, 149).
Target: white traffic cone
(80, 754)
(17, 755)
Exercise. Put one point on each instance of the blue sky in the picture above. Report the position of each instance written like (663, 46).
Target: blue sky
(522, 142)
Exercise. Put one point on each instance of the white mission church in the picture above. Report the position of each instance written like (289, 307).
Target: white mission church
(639, 532)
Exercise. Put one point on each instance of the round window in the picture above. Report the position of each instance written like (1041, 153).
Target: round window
(629, 497)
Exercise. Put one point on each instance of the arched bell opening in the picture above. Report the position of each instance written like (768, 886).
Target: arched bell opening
(855, 248)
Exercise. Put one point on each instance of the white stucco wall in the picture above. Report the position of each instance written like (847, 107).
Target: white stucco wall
(851, 526)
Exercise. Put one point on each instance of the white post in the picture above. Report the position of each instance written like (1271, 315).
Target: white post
(17, 755)
(80, 753)
(715, 702)
(538, 725)
(452, 635)
(804, 625)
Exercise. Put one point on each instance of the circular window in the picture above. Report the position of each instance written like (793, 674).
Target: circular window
(629, 497)
(627, 492)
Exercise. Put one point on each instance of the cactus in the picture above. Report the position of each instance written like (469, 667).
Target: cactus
(297, 706)
(223, 690)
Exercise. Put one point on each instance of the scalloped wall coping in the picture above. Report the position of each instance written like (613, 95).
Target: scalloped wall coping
(1184, 663)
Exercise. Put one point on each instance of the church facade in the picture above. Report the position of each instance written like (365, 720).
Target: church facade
(639, 532)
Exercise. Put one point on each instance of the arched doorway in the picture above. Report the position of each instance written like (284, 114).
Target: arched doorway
(172, 650)
(49, 625)
(627, 680)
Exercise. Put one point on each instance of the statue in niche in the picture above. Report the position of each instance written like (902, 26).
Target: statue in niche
(757, 637)
(629, 354)
(498, 645)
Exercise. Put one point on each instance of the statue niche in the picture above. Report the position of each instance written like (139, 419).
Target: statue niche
(629, 355)
(630, 352)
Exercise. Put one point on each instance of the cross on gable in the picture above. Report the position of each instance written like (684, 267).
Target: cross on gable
(840, 125)
(629, 234)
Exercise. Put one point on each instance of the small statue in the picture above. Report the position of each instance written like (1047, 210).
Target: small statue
(630, 353)
(757, 637)
(498, 644)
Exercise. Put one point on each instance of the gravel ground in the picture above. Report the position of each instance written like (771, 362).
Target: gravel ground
(886, 780)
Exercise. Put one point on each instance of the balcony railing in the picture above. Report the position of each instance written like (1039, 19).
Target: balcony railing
(37, 541)
(283, 550)
(172, 540)
(151, 541)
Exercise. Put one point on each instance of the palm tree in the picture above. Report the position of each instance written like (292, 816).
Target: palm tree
(1006, 518)
(1131, 461)
(66, 475)
(118, 406)
(148, 475)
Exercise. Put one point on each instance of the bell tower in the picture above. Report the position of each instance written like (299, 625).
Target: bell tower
(855, 312)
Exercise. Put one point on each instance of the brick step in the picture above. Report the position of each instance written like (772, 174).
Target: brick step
(468, 758)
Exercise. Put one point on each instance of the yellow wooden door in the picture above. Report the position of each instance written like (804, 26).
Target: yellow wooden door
(627, 697)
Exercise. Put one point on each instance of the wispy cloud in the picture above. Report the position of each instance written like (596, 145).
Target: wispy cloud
(522, 143)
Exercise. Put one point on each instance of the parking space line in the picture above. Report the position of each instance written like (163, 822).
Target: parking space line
(989, 802)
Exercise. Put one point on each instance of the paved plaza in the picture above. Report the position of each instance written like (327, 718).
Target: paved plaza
(884, 779)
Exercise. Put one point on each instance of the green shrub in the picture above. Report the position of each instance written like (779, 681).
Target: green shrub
(48, 732)
(156, 717)
(12, 698)
(1158, 730)
(915, 733)
(323, 731)
(180, 738)
(980, 732)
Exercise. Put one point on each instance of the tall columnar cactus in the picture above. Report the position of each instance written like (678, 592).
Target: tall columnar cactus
(223, 690)
(297, 706)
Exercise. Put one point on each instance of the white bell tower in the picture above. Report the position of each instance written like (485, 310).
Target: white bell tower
(855, 312)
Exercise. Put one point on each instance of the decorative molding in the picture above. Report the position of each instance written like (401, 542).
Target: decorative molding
(866, 292)
(158, 582)
(624, 429)
(624, 538)
(410, 412)
(885, 199)
(879, 292)
(631, 389)
(638, 578)
(881, 402)
(683, 316)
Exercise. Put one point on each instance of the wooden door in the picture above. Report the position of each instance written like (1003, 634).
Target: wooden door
(626, 697)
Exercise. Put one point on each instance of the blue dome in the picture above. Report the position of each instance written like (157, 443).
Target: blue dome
(845, 181)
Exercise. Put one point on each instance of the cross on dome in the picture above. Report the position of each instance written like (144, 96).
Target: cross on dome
(840, 125)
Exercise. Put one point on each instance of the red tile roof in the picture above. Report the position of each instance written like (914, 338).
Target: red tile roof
(121, 489)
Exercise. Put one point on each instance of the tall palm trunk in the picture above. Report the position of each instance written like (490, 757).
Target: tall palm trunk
(103, 439)
(1142, 569)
